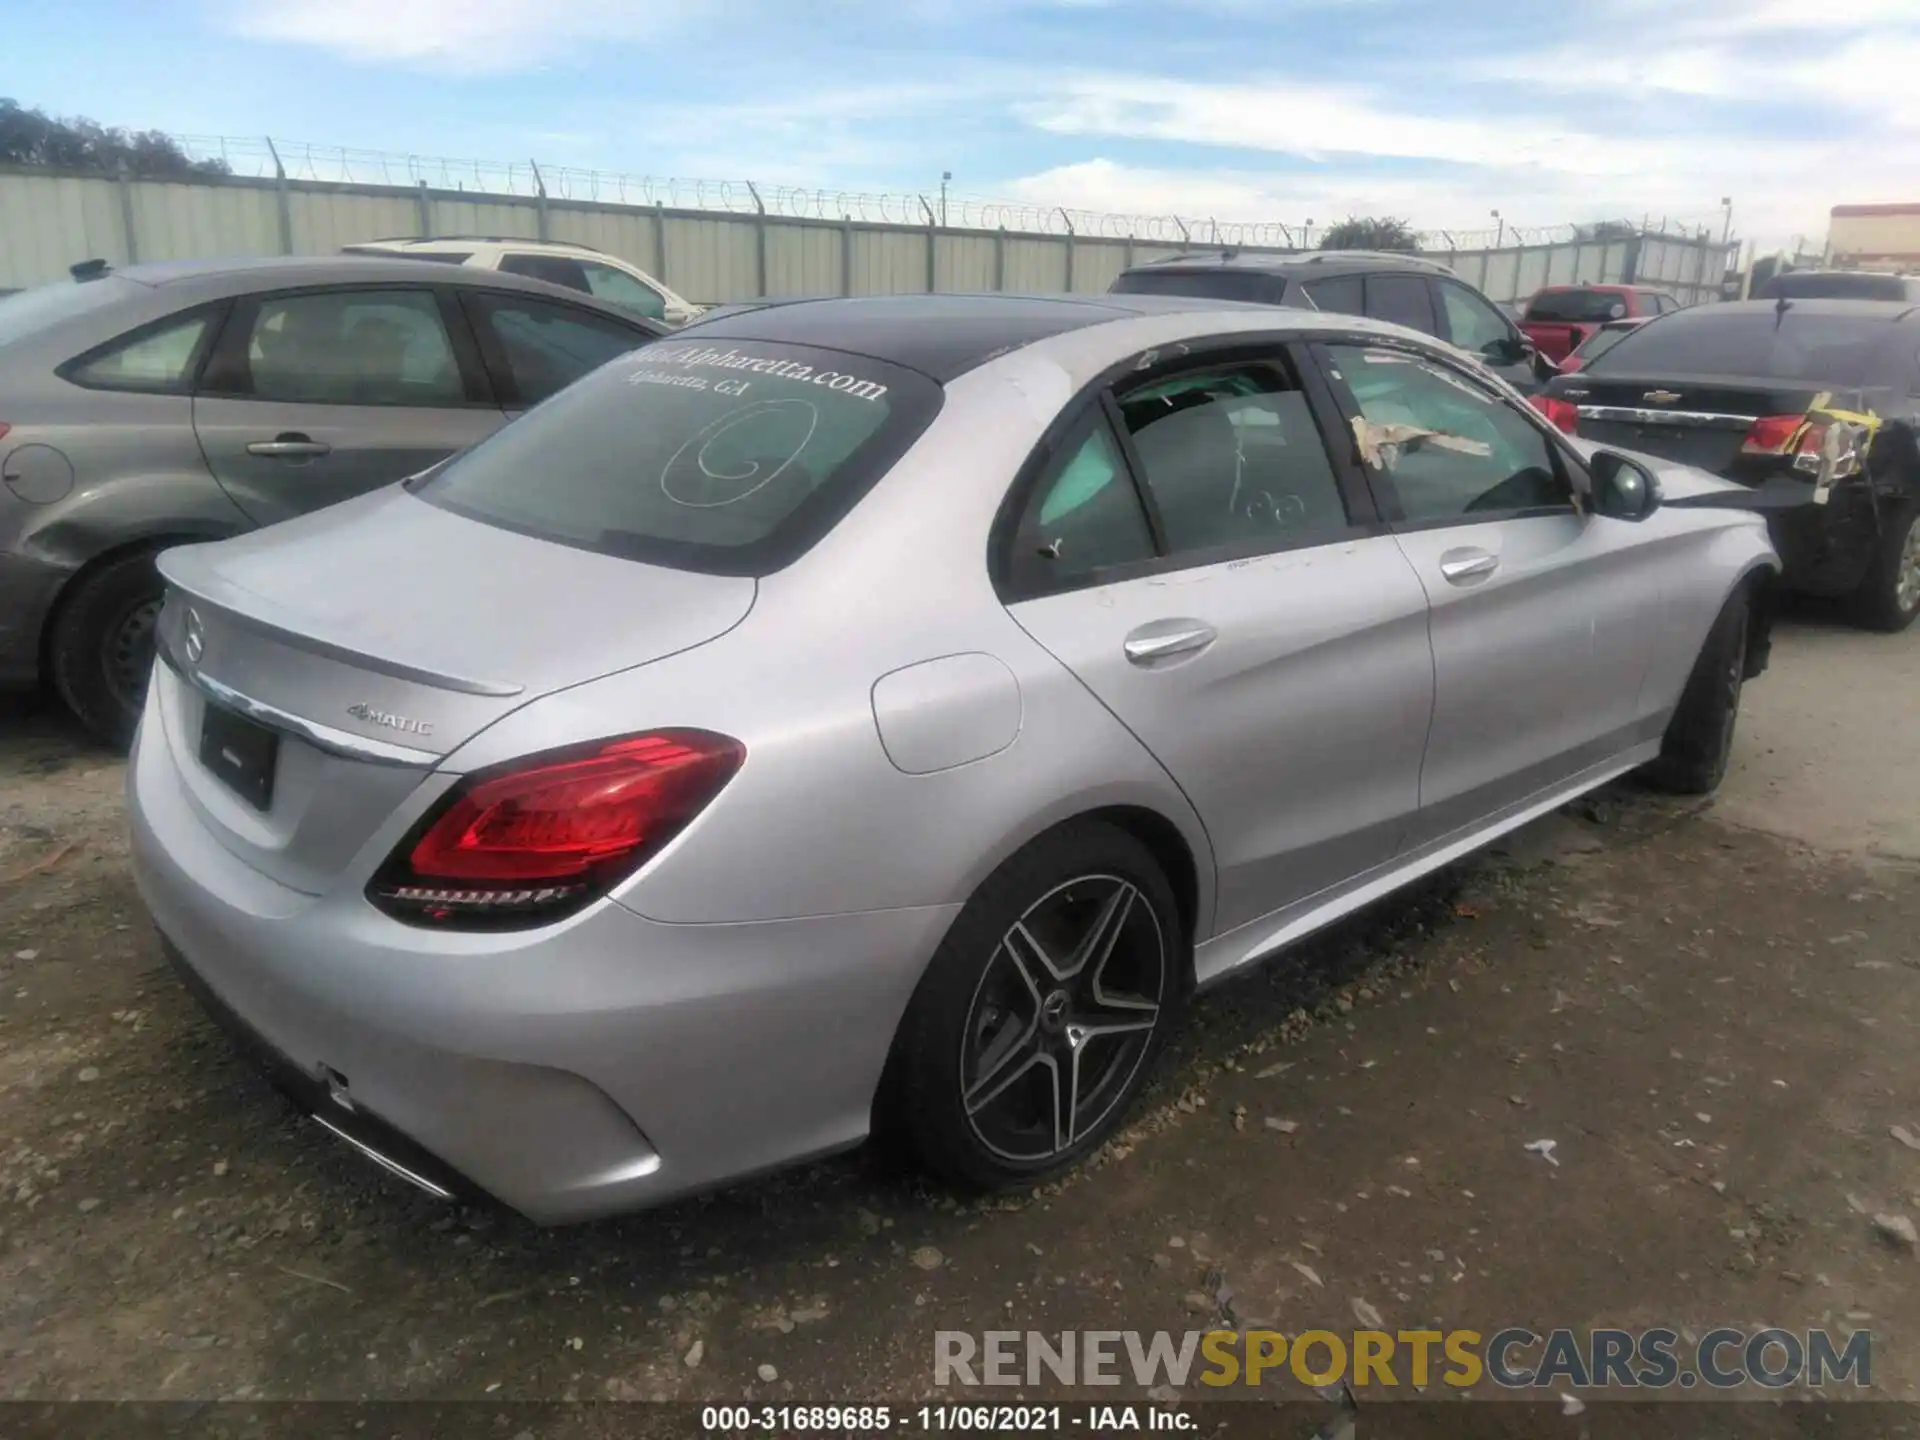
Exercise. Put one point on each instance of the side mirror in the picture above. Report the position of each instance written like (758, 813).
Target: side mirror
(1623, 488)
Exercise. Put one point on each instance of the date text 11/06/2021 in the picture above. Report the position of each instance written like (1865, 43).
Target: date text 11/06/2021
(942, 1419)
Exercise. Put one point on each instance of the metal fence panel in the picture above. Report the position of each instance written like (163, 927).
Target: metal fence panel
(48, 222)
(803, 259)
(965, 264)
(889, 262)
(324, 220)
(1037, 265)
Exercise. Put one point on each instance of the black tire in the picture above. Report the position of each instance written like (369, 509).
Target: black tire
(1699, 738)
(1889, 595)
(101, 648)
(970, 1006)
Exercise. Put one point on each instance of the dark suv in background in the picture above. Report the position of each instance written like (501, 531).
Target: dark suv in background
(1405, 290)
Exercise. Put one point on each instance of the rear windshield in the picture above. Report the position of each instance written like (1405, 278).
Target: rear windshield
(1585, 307)
(1201, 285)
(30, 312)
(1811, 285)
(1598, 343)
(727, 457)
(1828, 349)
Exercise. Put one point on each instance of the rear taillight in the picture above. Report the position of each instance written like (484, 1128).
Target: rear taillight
(1802, 438)
(4, 428)
(528, 843)
(1563, 415)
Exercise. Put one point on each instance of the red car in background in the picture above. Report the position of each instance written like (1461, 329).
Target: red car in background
(1603, 339)
(1561, 318)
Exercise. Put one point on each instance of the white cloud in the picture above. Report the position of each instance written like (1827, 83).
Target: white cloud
(477, 36)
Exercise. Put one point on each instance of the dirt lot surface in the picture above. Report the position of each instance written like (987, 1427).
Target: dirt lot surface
(1715, 1025)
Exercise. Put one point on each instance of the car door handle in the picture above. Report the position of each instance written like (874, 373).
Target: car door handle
(1165, 638)
(1463, 567)
(291, 446)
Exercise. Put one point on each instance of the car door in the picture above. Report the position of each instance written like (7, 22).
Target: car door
(533, 346)
(1471, 323)
(1543, 618)
(1201, 561)
(314, 396)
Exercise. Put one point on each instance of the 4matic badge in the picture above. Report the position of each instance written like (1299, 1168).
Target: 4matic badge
(375, 716)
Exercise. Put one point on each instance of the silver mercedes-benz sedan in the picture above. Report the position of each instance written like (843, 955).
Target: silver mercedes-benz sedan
(892, 708)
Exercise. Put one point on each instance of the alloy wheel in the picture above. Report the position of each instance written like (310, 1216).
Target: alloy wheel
(1906, 575)
(1062, 1018)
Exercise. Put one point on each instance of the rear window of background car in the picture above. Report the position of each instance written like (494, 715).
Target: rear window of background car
(1244, 285)
(728, 457)
(1826, 349)
(1581, 307)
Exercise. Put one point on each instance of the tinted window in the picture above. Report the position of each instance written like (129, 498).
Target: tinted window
(1202, 284)
(1598, 343)
(1232, 458)
(347, 347)
(1341, 295)
(617, 287)
(1834, 285)
(731, 458)
(1472, 323)
(547, 347)
(1083, 518)
(1450, 449)
(554, 269)
(1827, 348)
(1401, 300)
(1580, 307)
(154, 359)
(30, 312)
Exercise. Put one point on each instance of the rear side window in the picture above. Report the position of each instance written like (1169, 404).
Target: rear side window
(1342, 295)
(732, 458)
(617, 287)
(547, 347)
(1578, 307)
(554, 269)
(1825, 349)
(1401, 300)
(1202, 284)
(155, 360)
(342, 347)
(1083, 519)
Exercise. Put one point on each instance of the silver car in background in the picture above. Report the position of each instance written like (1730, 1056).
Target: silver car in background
(161, 403)
(888, 711)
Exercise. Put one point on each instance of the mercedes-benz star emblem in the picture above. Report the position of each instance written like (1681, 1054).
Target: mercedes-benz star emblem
(193, 637)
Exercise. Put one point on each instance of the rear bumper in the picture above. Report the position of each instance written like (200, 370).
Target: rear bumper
(600, 1065)
(28, 589)
(1826, 549)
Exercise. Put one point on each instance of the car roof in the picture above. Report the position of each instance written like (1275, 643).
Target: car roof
(941, 336)
(1301, 263)
(225, 277)
(469, 242)
(1892, 311)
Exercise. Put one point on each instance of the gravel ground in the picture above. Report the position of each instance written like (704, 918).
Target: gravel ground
(1713, 1023)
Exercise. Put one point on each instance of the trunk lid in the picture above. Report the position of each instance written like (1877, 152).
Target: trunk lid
(1694, 419)
(377, 636)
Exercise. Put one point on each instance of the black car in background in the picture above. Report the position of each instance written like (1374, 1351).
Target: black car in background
(1757, 391)
(1405, 290)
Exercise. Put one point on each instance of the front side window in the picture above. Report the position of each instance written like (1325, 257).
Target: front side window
(726, 457)
(547, 347)
(1401, 300)
(1473, 324)
(1450, 449)
(617, 287)
(1232, 458)
(153, 360)
(345, 347)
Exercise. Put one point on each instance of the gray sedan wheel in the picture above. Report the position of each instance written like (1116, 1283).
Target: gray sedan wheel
(101, 650)
(1039, 1016)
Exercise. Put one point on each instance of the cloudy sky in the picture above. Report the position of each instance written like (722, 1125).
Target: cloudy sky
(1261, 110)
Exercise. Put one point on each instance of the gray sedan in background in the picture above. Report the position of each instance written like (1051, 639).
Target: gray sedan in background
(899, 705)
(162, 403)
